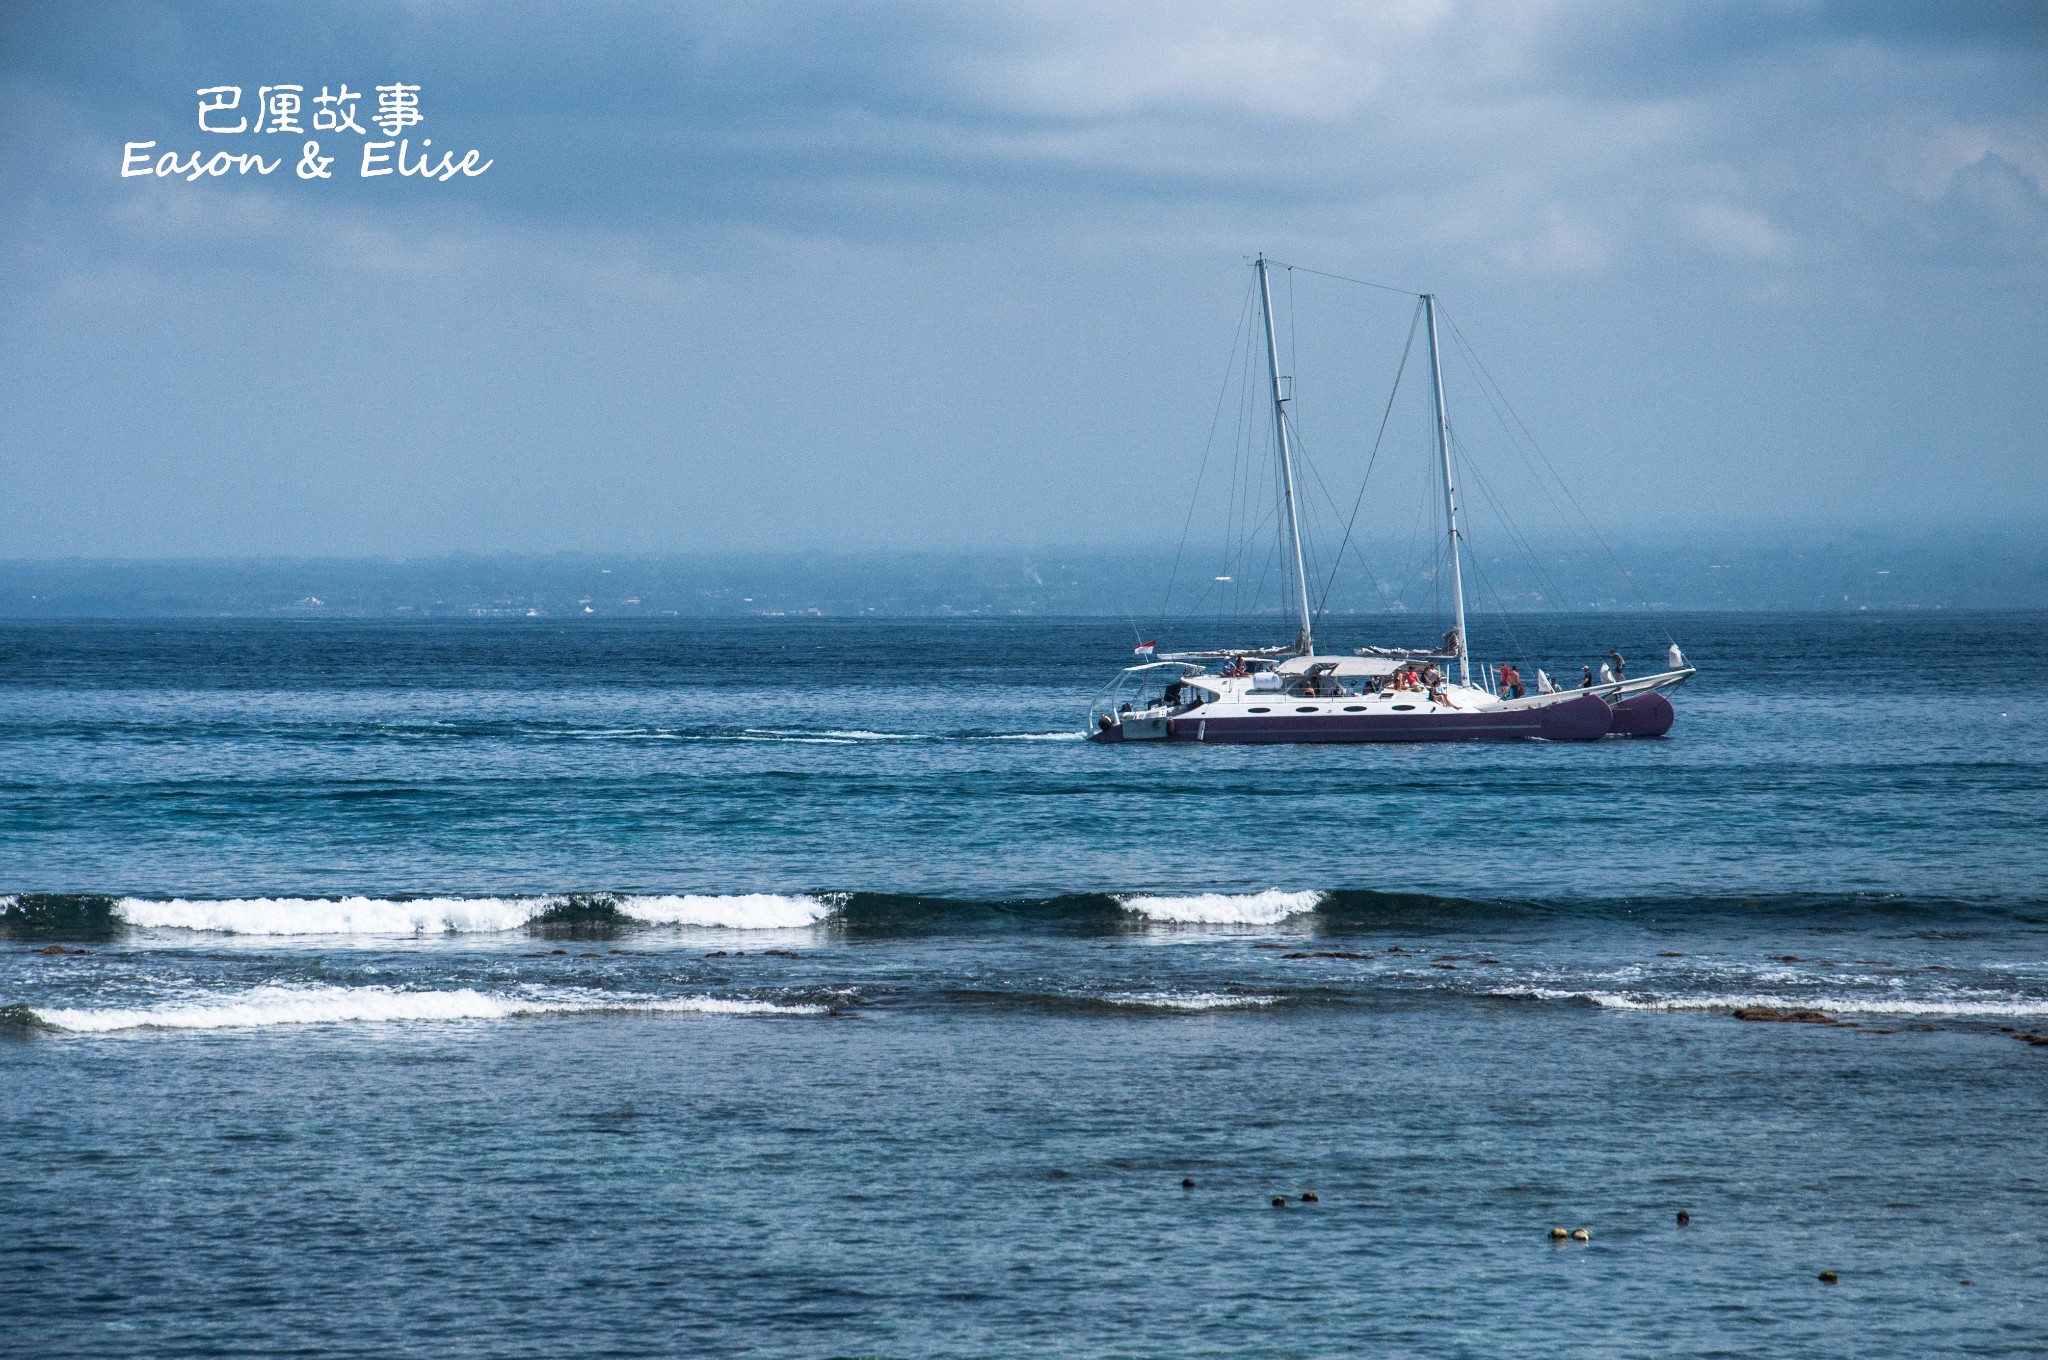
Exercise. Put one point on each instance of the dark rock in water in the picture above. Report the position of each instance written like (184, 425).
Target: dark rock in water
(1326, 954)
(1558, 1234)
(1279, 1201)
(1187, 1182)
(783, 953)
(1828, 1277)
(1581, 1235)
(2038, 1040)
(1787, 1017)
(1684, 1218)
(580, 916)
(61, 949)
(1310, 1197)
(20, 1020)
(1670, 954)
(1786, 958)
(60, 916)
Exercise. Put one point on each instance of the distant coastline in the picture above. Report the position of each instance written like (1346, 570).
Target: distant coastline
(1781, 572)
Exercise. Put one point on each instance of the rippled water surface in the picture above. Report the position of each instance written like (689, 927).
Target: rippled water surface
(810, 988)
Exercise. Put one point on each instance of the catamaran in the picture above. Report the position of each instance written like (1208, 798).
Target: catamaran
(1293, 693)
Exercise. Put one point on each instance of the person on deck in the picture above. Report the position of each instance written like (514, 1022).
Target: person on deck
(1510, 681)
(1620, 666)
(1587, 681)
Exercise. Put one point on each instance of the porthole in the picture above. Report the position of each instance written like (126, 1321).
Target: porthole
(1404, 708)
(1354, 708)
(1305, 708)
(1262, 710)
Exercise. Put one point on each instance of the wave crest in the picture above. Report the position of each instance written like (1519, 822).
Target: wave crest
(1245, 909)
(261, 1007)
(292, 916)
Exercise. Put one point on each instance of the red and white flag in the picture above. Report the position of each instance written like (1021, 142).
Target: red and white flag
(1143, 649)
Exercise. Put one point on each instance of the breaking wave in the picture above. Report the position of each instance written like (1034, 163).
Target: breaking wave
(1245, 909)
(265, 1006)
(1976, 1005)
(376, 916)
(1189, 1001)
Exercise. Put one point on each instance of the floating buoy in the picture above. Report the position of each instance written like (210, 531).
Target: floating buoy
(1187, 1182)
(1310, 1197)
(1558, 1234)
(1279, 1201)
(1827, 1277)
(1581, 1235)
(1683, 1218)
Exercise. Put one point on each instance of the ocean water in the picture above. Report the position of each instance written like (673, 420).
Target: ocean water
(808, 987)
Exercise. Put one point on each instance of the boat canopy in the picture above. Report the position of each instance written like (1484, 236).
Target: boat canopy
(1339, 665)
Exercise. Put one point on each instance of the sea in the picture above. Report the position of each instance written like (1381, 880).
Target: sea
(809, 987)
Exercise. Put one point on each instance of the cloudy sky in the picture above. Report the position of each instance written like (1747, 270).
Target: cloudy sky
(906, 274)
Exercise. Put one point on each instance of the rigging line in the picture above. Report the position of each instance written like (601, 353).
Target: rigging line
(1493, 404)
(1385, 416)
(1316, 473)
(1562, 484)
(1346, 278)
(1501, 610)
(1293, 335)
(1470, 466)
(1208, 447)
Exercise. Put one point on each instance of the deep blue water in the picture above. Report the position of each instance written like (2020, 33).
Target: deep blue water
(809, 988)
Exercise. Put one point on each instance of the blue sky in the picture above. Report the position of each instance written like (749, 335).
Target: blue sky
(918, 275)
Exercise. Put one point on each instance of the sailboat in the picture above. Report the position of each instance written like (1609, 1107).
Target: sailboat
(1293, 693)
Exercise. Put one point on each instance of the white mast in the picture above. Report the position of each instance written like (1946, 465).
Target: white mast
(1443, 446)
(1303, 641)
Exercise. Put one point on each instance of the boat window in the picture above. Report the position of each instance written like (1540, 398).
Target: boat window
(1354, 708)
(1404, 708)
(1262, 710)
(1305, 708)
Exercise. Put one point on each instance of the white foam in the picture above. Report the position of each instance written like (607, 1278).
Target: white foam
(261, 1007)
(323, 916)
(1039, 736)
(746, 911)
(1189, 1001)
(1247, 909)
(288, 916)
(1834, 1005)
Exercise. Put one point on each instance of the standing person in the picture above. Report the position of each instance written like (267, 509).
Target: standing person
(1587, 682)
(1510, 681)
(1620, 666)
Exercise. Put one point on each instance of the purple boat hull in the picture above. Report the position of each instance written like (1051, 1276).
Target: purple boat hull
(1586, 718)
(1643, 715)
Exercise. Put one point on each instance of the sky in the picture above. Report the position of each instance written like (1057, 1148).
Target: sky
(911, 275)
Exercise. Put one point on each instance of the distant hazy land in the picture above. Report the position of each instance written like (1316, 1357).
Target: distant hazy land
(1849, 571)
